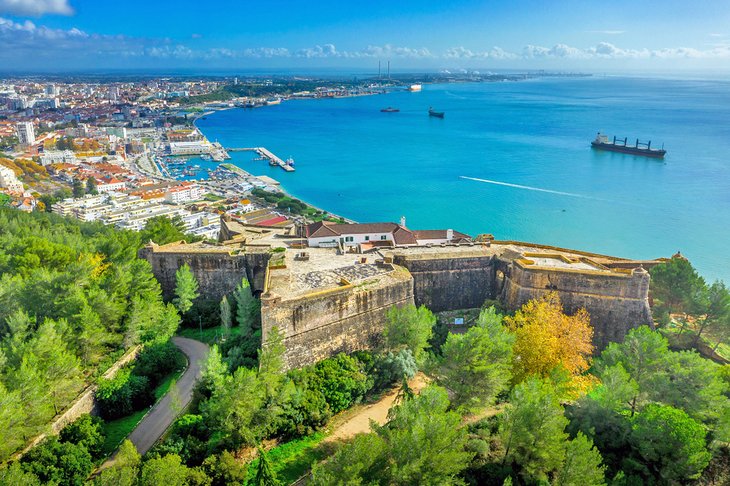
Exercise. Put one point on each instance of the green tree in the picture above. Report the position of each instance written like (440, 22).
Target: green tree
(715, 311)
(643, 355)
(186, 289)
(225, 470)
(271, 362)
(14, 475)
(58, 462)
(214, 372)
(78, 188)
(164, 470)
(582, 466)
(532, 430)
(423, 443)
(91, 186)
(265, 475)
(13, 419)
(476, 366)
(409, 327)
(670, 443)
(246, 307)
(225, 309)
(86, 431)
(163, 230)
(124, 470)
(675, 284)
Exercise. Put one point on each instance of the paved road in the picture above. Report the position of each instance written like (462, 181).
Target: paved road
(162, 414)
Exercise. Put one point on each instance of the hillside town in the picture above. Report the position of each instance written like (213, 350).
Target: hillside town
(116, 152)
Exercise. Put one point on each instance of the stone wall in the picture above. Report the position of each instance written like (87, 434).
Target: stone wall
(322, 324)
(450, 282)
(616, 302)
(217, 272)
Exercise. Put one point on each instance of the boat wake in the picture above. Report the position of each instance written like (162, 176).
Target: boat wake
(528, 188)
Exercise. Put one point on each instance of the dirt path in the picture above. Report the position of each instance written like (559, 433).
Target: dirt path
(378, 411)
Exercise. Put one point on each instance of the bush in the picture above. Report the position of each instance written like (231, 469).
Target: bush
(307, 409)
(343, 381)
(242, 350)
(123, 394)
(157, 361)
(391, 367)
(205, 313)
(85, 431)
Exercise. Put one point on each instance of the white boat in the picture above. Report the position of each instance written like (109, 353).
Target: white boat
(273, 101)
(415, 87)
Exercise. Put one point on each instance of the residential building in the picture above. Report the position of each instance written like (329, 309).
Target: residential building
(26, 133)
(49, 157)
(187, 191)
(9, 181)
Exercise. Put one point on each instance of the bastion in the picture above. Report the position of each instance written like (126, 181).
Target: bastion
(327, 300)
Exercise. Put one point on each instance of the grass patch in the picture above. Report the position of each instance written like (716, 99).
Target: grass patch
(115, 431)
(210, 335)
(212, 197)
(292, 460)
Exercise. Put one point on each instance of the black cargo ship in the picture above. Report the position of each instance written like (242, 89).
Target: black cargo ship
(437, 114)
(640, 148)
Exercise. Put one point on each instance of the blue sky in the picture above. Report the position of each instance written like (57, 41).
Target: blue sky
(518, 34)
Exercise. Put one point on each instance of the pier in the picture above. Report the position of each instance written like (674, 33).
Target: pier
(265, 154)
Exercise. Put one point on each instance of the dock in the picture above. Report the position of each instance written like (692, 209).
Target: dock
(265, 154)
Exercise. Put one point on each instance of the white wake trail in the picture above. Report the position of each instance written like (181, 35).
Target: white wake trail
(528, 188)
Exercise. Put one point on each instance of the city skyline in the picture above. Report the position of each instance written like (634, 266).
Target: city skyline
(68, 35)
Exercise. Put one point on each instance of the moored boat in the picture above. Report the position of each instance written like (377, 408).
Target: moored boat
(415, 87)
(602, 142)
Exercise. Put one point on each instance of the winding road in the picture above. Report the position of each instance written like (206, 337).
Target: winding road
(161, 416)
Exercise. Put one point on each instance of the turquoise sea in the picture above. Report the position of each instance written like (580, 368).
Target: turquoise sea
(529, 144)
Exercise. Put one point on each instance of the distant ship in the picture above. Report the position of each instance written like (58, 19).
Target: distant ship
(415, 87)
(273, 101)
(437, 114)
(601, 142)
(390, 109)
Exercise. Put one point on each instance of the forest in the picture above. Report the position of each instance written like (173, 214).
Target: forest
(517, 398)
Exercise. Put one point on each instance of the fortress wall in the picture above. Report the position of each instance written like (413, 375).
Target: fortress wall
(326, 323)
(450, 282)
(616, 303)
(217, 273)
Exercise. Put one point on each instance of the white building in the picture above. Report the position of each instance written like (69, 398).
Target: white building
(327, 234)
(9, 181)
(189, 148)
(52, 90)
(183, 193)
(110, 184)
(26, 133)
(49, 157)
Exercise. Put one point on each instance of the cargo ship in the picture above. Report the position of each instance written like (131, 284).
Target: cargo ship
(437, 114)
(640, 148)
(415, 87)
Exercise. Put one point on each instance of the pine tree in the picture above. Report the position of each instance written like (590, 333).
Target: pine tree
(245, 307)
(186, 289)
(225, 317)
(265, 475)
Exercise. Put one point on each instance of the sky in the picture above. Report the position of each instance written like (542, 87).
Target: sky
(562, 35)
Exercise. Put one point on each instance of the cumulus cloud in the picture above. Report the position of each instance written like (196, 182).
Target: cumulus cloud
(35, 8)
(606, 50)
(495, 53)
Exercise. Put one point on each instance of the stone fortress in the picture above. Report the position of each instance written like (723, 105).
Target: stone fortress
(327, 287)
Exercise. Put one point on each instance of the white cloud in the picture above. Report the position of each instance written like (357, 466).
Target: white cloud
(495, 53)
(266, 52)
(35, 8)
(606, 50)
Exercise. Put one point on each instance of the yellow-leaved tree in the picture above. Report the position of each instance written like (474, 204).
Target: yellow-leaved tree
(549, 343)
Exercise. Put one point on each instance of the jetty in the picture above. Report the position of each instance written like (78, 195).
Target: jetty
(265, 154)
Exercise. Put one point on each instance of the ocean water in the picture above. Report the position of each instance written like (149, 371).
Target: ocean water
(514, 159)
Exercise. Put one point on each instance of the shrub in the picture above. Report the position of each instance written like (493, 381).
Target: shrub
(123, 394)
(390, 368)
(157, 361)
(343, 381)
